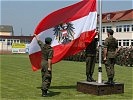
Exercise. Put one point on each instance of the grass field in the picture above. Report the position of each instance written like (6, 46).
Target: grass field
(19, 82)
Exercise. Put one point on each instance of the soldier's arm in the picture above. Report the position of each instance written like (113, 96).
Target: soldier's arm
(105, 54)
(49, 64)
(105, 49)
(41, 44)
(116, 51)
(50, 56)
(98, 35)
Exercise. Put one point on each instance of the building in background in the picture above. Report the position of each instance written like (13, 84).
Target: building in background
(122, 24)
(7, 41)
(7, 38)
(15, 39)
(6, 30)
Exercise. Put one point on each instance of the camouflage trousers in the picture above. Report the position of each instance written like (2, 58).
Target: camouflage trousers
(109, 65)
(46, 79)
(90, 64)
(131, 62)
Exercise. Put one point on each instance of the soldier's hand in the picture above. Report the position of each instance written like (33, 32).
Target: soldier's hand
(35, 35)
(97, 32)
(49, 69)
(105, 59)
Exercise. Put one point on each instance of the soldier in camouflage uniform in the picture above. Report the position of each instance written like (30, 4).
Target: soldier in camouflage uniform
(131, 56)
(46, 64)
(126, 56)
(119, 56)
(91, 59)
(110, 50)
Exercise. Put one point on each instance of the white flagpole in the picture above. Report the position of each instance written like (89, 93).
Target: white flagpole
(100, 43)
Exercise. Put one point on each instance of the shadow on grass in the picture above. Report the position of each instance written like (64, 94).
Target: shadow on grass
(61, 87)
(51, 93)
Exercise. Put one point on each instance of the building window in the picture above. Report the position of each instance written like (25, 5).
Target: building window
(17, 41)
(126, 28)
(3, 40)
(132, 42)
(103, 29)
(14, 41)
(108, 27)
(11, 42)
(119, 42)
(132, 28)
(125, 42)
(102, 42)
(8, 41)
(29, 42)
(118, 28)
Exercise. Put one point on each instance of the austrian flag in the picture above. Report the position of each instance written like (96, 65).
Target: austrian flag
(71, 28)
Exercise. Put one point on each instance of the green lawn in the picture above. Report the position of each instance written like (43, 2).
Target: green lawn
(19, 82)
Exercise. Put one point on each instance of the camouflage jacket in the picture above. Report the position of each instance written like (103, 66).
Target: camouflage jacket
(111, 44)
(91, 49)
(47, 51)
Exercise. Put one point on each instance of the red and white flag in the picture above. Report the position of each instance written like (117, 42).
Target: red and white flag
(71, 28)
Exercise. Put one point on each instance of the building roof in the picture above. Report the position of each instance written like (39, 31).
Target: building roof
(6, 28)
(17, 37)
(125, 15)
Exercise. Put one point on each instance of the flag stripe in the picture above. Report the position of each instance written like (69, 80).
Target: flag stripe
(76, 11)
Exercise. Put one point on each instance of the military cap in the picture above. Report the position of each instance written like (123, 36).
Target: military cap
(110, 31)
(48, 39)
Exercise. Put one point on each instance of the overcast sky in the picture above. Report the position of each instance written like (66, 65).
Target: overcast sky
(24, 15)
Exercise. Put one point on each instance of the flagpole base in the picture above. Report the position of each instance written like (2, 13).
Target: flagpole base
(95, 88)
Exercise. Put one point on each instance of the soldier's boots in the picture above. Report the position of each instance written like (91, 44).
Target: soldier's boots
(44, 93)
(110, 81)
(90, 79)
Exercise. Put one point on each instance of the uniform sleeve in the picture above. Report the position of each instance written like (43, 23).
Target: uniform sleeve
(106, 43)
(40, 43)
(116, 44)
(50, 56)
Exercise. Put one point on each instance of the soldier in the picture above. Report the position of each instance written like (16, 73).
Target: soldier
(131, 56)
(46, 64)
(120, 56)
(110, 50)
(91, 59)
(126, 56)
